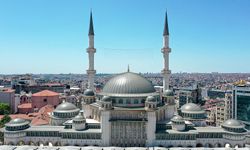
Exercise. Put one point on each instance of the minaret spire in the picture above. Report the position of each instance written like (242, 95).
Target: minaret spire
(166, 31)
(91, 51)
(91, 26)
(166, 50)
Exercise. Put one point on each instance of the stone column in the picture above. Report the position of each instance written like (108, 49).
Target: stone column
(106, 128)
(151, 128)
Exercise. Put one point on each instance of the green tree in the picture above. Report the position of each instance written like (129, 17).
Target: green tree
(4, 108)
(4, 120)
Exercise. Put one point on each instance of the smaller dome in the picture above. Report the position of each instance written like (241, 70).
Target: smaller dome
(17, 122)
(89, 92)
(168, 93)
(79, 117)
(192, 108)
(177, 118)
(178, 123)
(150, 99)
(106, 99)
(232, 123)
(66, 106)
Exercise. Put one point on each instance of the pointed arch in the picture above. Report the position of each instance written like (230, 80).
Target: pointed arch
(199, 145)
(217, 145)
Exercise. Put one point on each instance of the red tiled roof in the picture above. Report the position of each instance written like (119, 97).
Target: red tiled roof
(25, 105)
(39, 121)
(45, 93)
(40, 118)
(43, 117)
(30, 116)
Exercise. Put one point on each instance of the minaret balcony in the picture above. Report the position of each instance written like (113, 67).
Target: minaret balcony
(164, 71)
(91, 50)
(91, 71)
(166, 50)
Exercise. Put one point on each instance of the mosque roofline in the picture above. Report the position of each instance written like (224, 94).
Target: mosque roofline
(129, 95)
(130, 108)
(194, 112)
(82, 131)
(130, 120)
(172, 131)
(66, 111)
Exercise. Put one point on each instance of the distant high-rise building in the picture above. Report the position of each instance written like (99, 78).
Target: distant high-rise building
(224, 110)
(241, 103)
(216, 93)
(218, 110)
(189, 95)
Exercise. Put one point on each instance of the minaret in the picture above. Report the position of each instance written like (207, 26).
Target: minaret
(91, 51)
(166, 50)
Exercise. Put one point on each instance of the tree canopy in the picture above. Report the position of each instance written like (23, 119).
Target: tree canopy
(4, 120)
(4, 108)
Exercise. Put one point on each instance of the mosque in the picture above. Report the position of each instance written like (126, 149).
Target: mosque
(128, 112)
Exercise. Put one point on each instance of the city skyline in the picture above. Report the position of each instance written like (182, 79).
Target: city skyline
(52, 37)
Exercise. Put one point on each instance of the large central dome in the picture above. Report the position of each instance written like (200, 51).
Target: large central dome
(128, 83)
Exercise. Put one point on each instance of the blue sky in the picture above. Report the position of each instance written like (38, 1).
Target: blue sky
(51, 36)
